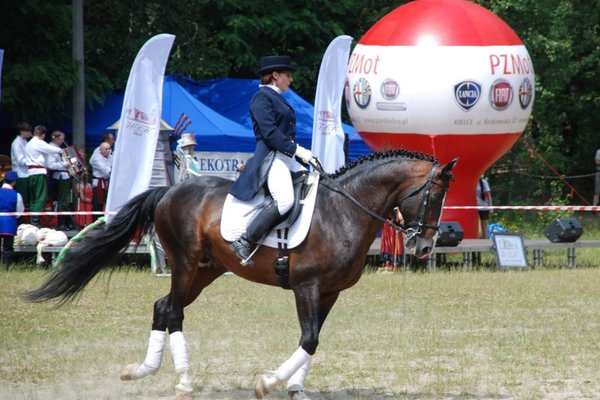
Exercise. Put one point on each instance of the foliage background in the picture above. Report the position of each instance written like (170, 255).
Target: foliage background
(227, 38)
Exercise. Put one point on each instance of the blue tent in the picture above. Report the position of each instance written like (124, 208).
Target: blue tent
(213, 131)
(218, 110)
(231, 98)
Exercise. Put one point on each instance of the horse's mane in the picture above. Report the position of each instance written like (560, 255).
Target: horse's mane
(383, 155)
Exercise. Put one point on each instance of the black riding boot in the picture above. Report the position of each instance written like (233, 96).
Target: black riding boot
(268, 218)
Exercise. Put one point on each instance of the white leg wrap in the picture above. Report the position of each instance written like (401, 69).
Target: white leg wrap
(156, 346)
(288, 368)
(179, 352)
(296, 381)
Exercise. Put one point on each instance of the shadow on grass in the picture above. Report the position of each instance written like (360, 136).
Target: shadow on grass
(357, 394)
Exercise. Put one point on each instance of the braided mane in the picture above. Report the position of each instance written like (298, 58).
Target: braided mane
(382, 155)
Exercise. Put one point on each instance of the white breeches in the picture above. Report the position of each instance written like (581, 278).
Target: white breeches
(279, 181)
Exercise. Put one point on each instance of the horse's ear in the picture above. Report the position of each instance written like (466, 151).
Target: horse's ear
(447, 170)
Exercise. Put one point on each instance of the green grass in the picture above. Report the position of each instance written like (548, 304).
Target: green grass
(455, 335)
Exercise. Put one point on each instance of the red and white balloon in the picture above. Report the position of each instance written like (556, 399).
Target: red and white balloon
(444, 77)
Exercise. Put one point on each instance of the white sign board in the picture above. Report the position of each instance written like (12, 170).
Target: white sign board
(220, 164)
(510, 250)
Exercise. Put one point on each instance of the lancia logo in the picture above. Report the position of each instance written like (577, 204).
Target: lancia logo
(467, 94)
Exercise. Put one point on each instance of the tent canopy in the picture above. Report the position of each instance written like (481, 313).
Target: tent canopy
(231, 98)
(163, 126)
(218, 110)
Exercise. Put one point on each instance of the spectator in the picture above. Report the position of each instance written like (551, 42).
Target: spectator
(61, 181)
(35, 157)
(101, 163)
(597, 179)
(106, 138)
(17, 156)
(10, 201)
(391, 245)
(84, 201)
(484, 199)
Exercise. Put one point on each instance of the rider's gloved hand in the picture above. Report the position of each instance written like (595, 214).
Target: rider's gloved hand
(304, 154)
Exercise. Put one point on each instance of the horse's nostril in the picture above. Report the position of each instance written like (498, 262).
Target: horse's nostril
(425, 251)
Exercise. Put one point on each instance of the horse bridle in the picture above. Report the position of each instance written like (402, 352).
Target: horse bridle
(416, 227)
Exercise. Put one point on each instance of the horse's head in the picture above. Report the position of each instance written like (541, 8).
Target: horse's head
(422, 209)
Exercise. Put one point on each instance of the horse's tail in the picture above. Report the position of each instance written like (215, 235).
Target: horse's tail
(98, 249)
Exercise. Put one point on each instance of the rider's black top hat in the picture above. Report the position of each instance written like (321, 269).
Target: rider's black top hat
(274, 63)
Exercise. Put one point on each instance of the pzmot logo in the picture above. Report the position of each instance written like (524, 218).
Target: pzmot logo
(501, 94)
(362, 93)
(467, 94)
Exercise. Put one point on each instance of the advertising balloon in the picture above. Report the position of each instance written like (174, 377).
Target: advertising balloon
(447, 78)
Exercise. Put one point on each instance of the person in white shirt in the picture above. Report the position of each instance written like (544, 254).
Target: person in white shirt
(61, 182)
(108, 138)
(35, 157)
(101, 163)
(17, 158)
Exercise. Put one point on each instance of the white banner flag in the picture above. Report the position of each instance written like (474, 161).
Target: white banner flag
(328, 135)
(1, 61)
(139, 124)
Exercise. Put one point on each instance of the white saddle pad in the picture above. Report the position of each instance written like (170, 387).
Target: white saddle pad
(237, 214)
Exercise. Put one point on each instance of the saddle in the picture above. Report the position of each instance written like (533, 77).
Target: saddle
(294, 226)
(299, 182)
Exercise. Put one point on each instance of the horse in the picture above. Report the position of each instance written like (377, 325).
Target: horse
(351, 206)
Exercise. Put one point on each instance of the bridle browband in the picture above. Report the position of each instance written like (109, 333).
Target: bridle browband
(415, 228)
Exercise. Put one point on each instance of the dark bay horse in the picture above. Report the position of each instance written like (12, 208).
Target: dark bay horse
(351, 206)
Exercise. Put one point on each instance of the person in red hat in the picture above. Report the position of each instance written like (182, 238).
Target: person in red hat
(10, 201)
(274, 122)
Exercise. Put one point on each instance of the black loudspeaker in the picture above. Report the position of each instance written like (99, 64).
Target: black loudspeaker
(451, 233)
(564, 230)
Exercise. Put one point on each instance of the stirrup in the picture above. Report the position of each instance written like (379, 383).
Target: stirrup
(248, 261)
(239, 244)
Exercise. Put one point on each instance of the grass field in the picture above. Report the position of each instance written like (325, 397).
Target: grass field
(452, 335)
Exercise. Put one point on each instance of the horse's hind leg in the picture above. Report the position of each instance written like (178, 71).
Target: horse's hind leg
(156, 345)
(168, 315)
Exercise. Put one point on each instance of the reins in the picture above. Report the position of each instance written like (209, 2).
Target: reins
(410, 231)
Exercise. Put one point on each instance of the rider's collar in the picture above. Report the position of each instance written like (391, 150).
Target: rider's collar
(275, 88)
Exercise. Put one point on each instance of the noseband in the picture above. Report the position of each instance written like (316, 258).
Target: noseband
(415, 228)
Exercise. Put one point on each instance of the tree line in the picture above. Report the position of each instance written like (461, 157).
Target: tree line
(226, 38)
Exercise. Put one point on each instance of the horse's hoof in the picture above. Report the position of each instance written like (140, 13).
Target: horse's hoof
(265, 384)
(185, 382)
(298, 395)
(179, 395)
(132, 372)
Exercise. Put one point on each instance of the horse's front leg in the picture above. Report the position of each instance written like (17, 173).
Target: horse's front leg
(312, 311)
